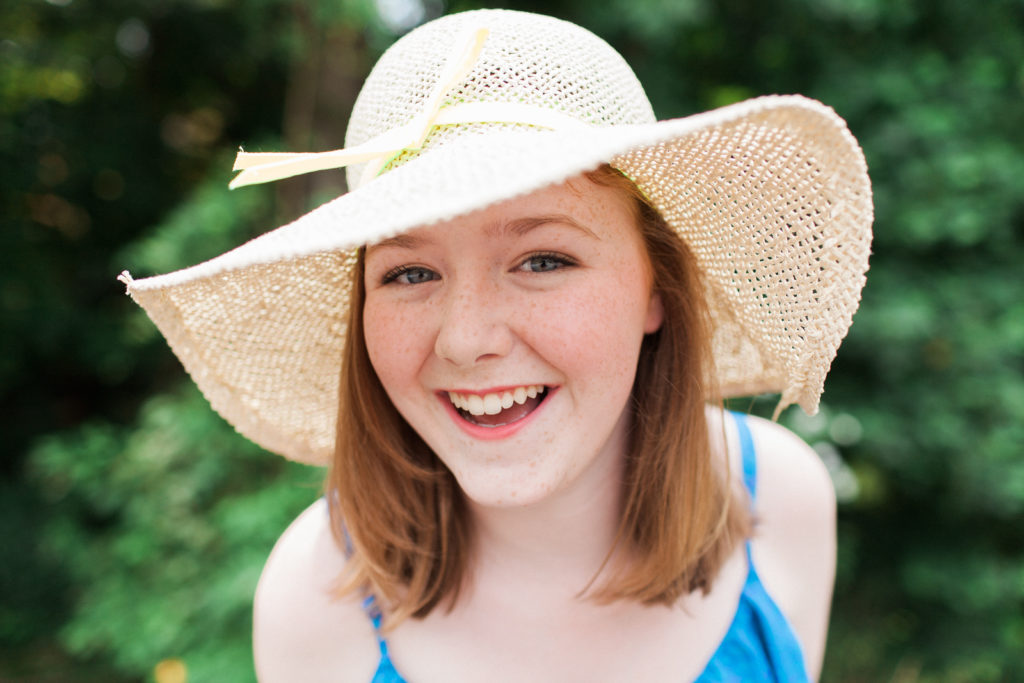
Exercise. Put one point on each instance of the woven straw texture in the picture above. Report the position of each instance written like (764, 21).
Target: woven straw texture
(771, 194)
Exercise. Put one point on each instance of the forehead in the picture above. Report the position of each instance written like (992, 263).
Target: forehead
(596, 211)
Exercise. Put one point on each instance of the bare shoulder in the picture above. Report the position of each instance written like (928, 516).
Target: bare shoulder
(794, 545)
(300, 630)
(792, 481)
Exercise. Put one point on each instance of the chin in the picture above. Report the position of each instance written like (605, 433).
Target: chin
(507, 490)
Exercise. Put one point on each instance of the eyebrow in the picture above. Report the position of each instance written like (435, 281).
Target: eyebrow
(518, 227)
(403, 241)
(521, 226)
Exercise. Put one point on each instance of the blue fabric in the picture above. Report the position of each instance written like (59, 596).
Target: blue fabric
(749, 456)
(386, 672)
(760, 644)
(759, 647)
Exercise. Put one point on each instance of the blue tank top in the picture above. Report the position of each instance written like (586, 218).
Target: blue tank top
(760, 645)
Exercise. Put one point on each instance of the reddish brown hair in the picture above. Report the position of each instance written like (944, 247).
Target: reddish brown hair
(401, 511)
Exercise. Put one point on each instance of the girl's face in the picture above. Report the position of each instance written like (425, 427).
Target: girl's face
(509, 338)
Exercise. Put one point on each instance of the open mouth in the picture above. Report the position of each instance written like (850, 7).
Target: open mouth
(500, 408)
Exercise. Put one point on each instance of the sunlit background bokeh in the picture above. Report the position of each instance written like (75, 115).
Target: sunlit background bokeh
(134, 522)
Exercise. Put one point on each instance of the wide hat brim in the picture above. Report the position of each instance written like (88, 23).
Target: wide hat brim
(772, 196)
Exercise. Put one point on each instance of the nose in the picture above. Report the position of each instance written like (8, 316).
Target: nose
(474, 325)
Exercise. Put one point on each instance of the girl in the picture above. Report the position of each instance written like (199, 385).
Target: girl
(536, 293)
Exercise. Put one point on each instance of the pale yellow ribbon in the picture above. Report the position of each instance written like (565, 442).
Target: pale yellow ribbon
(269, 166)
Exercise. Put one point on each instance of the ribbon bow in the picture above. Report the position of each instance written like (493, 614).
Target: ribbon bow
(269, 166)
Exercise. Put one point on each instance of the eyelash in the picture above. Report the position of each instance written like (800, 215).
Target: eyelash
(561, 260)
(395, 273)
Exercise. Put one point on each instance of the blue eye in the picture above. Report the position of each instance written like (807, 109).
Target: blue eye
(546, 263)
(410, 275)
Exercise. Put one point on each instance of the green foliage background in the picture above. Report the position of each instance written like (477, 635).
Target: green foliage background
(134, 522)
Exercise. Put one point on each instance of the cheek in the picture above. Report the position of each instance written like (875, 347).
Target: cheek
(596, 331)
(391, 341)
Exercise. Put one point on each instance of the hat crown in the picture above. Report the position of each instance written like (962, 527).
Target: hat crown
(527, 59)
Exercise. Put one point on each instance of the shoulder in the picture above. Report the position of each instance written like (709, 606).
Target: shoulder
(794, 544)
(301, 630)
(792, 481)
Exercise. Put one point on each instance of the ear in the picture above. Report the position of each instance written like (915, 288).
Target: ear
(655, 314)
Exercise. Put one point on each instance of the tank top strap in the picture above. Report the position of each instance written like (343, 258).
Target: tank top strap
(760, 644)
(373, 612)
(748, 454)
(386, 672)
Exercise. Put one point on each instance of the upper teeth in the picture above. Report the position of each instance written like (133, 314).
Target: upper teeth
(492, 404)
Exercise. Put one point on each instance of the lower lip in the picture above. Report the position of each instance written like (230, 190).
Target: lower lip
(493, 433)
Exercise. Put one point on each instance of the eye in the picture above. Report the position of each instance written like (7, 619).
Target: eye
(409, 275)
(546, 263)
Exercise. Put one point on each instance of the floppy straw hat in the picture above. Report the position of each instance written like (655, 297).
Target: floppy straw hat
(772, 195)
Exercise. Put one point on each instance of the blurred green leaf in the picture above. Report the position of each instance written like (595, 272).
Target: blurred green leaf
(136, 521)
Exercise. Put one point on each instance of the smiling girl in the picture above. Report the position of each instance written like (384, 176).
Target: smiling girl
(537, 295)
